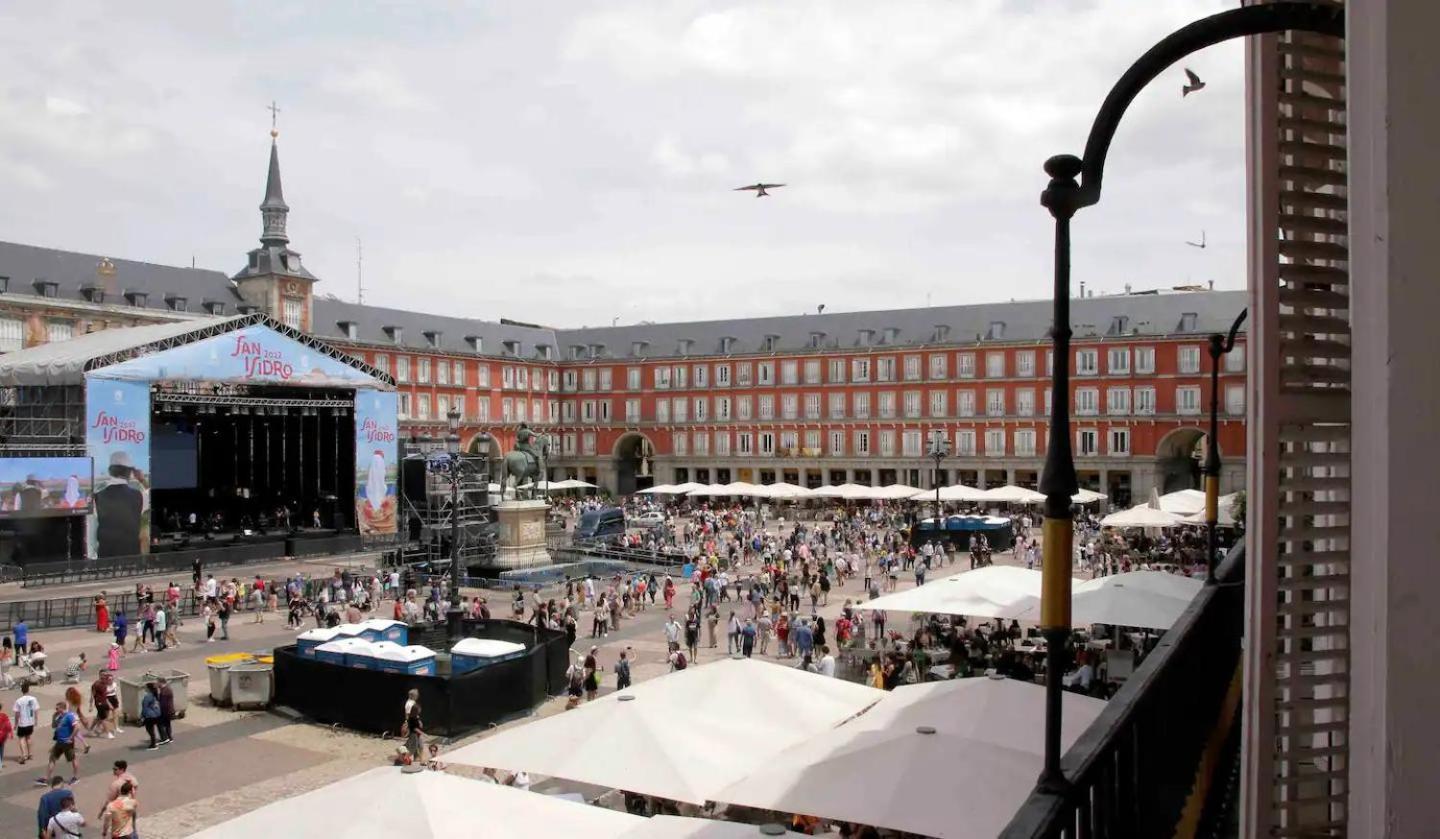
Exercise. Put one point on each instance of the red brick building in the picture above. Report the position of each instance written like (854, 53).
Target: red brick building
(812, 399)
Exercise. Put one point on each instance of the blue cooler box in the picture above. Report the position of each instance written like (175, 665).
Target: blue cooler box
(473, 653)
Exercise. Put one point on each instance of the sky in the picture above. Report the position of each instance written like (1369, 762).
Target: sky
(572, 162)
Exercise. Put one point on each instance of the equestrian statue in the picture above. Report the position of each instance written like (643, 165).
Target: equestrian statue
(526, 463)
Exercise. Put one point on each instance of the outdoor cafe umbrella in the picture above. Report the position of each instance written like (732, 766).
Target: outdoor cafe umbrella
(659, 489)
(958, 492)
(840, 491)
(896, 492)
(1013, 495)
(680, 827)
(1087, 496)
(995, 591)
(1142, 515)
(948, 759)
(1142, 599)
(782, 491)
(676, 736)
(386, 802)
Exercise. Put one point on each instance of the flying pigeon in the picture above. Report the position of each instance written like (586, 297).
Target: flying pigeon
(1194, 85)
(759, 189)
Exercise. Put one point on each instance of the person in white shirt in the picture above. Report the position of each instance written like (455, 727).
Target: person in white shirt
(211, 587)
(67, 823)
(827, 662)
(26, 711)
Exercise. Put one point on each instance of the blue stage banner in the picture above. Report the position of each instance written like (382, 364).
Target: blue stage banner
(377, 464)
(44, 486)
(253, 355)
(117, 435)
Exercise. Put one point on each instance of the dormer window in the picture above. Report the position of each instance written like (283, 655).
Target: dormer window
(892, 334)
(246, 308)
(432, 337)
(772, 343)
(816, 340)
(637, 348)
(395, 334)
(942, 331)
(93, 293)
(1119, 325)
(4, 284)
(214, 307)
(997, 330)
(136, 298)
(727, 343)
(176, 303)
(1187, 322)
(577, 352)
(595, 350)
(543, 351)
(867, 336)
(475, 343)
(349, 328)
(510, 348)
(685, 346)
(45, 288)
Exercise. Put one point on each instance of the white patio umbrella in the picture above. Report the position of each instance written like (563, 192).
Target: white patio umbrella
(1014, 495)
(1183, 502)
(896, 765)
(740, 488)
(690, 486)
(840, 491)
(783, 491)
(995, 591)
(679, 827)
(1142, 516)
(958, 492)
(896, 492)
(386, 802)
(1145, 599)
(1088, 496)
(576, 483)
(658, 489)
(675, 736)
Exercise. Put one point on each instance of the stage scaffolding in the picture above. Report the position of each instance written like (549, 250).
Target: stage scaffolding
(42, 421)
(430, 540)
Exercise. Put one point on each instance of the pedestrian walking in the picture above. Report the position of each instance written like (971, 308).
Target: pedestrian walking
(66, 725)
(150, 714)
(622, 670)
(167, 710)
(52, 803)
(66, 824)
(27, 713)
(413, 728)
(118, 821)
(592, 674)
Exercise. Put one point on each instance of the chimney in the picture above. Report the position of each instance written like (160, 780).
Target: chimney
(1082, 289)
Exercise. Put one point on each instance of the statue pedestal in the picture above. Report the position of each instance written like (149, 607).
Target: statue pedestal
(522, 534)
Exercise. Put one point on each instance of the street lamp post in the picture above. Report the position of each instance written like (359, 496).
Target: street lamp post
(1219, 346)
(939, 450)
(1075, 183)
(454, 616)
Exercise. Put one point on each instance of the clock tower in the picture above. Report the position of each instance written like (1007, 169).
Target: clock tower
(273, 279)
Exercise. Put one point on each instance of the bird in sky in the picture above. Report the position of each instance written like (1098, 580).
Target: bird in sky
(1194, 85)
(1200, 244)
(759, 189)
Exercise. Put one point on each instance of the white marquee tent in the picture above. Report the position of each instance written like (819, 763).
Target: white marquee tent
(1142, 599)
(946, 759)
(682, 736)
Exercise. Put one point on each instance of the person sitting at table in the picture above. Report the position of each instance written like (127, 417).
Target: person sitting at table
(1082, 678)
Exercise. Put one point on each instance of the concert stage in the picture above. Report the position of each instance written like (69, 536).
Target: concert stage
(238, 435)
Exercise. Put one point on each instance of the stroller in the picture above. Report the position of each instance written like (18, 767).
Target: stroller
(32, 669)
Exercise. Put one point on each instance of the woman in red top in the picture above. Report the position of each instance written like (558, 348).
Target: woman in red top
(102, 613)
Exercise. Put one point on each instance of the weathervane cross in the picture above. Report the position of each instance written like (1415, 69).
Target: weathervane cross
(274, 115)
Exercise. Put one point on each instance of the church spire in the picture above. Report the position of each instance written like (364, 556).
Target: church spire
(273, 209)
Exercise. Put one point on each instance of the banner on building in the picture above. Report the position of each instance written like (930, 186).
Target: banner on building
(377, 466)
(253, 355)
(117, 435)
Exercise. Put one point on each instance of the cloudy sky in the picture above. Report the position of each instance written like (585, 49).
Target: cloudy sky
(572, 161)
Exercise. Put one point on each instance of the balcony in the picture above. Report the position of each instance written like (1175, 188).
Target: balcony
(1162, 758)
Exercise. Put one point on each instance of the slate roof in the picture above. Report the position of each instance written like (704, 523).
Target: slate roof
(24, 264)
(1022, 321)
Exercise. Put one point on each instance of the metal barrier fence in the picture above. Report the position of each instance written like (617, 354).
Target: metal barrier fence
(1132, 770)
(139, 565)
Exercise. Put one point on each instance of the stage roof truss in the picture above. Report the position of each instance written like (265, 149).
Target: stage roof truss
(163, 398)
(40, 421)
(230, 325)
